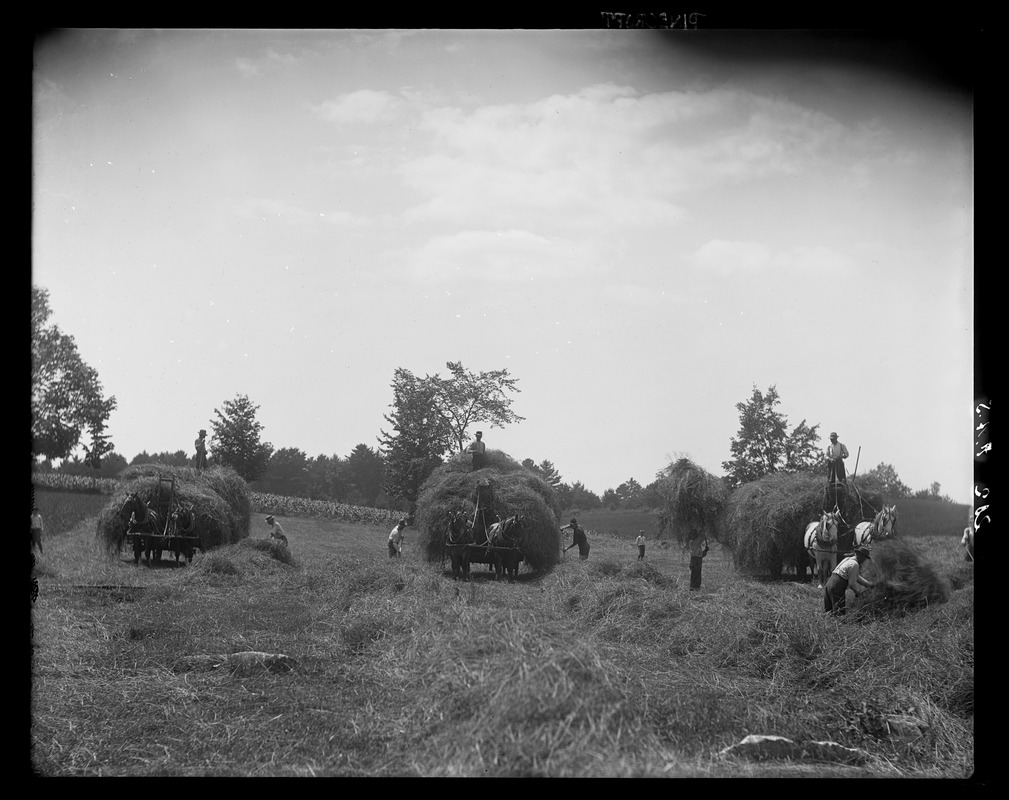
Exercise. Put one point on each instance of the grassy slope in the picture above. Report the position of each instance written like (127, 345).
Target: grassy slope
(604, 667)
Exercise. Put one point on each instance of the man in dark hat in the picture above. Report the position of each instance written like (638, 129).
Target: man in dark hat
(845, 576)
(201, 450)
(478, 450)
(836, 453)
(577, 538)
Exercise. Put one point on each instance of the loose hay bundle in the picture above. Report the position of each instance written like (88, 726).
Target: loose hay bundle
(904, 579)
(764, 520)
(452, 487)
(219, 498)
(693, 499)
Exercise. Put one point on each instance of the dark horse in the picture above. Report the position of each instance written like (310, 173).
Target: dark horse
(184, 529)
(140, 518)
(458, 540)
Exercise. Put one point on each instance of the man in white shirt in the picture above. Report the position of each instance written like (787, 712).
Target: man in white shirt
(478, 450)
(640, 542)
(396, 539)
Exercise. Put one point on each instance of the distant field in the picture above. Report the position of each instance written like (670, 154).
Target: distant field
(916, 518)
(61, 511)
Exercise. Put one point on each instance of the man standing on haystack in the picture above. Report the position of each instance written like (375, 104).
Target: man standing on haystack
(201, 450)
(478, 450)
(836, 453)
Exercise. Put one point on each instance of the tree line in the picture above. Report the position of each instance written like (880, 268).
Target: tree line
(429, 419)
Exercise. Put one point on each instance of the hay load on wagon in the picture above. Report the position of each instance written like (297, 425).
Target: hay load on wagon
(693, 500)
(451, 490)
(219, 499)
(763, 521)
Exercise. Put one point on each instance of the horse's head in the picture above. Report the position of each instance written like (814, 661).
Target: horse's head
(827, 529)
(887, 525)
(133, 505)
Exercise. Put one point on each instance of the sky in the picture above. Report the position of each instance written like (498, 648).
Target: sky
(640, 226)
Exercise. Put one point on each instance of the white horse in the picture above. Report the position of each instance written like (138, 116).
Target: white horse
(967, 543)
(820, 541)
(883, 526)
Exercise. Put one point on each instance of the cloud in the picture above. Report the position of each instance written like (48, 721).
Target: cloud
(505, 256)
(362, 106)
(273, 210)
(608, 159)
(753, 258)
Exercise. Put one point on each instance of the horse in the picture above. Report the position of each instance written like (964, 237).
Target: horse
(140, 518)
(506, 537)
(460, 536)
(820, 541)
(184, 528)
(967, 543)
(883, 526)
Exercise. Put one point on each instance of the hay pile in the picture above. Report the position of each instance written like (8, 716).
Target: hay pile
(764, 520)
(452, 486)
(903, 579)
(219, 496)
(692, 502)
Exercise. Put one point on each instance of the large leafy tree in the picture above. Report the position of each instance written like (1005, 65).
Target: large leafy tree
(66, 395)
(419, 438)
(764, 444)
(466, 398)
(887, 482)
(235, 441)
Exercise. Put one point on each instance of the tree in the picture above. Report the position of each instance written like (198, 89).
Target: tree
(420, 435)
(325, 478)
(466, 399)
(66, 395)
(365, 472)
(176, 459)
(286, 473)
(884, 477)
(630, 494)
(235, 440)
(545, 470)
(763, 444)
(583, 498)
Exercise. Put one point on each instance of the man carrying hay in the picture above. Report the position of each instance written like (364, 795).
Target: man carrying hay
(836, 453)
(478, 450)
(577, 538)
(698, 550)
(276, 531)
(845, 576)
(396, 540)
(201, 450)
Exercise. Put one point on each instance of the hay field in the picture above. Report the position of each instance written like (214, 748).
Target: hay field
(600, 668)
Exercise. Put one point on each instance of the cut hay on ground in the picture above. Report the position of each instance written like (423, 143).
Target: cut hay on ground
(452, 486)
(764, 520)
(219, 497)
(904, 579)
(692, 501)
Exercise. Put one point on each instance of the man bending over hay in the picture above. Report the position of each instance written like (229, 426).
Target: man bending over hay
(396, 540)
(845, 576)
(276, 532)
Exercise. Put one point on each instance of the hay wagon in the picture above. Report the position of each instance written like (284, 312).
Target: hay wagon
(160, 531)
